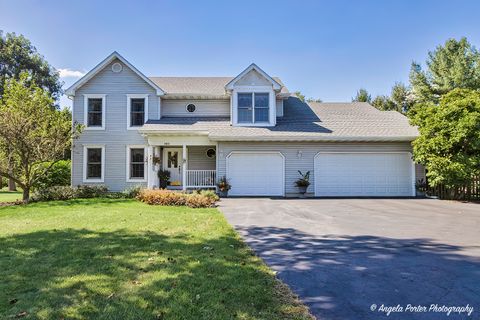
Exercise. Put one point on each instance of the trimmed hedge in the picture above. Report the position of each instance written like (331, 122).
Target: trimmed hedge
(174, 198)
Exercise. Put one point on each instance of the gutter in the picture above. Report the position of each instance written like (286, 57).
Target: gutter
(314, 139)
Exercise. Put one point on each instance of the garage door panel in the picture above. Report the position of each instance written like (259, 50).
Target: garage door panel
(363, 174)
(256, 174)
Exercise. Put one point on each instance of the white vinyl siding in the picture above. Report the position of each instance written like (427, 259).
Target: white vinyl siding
(116, 136)
(203, 108)
(198, 160)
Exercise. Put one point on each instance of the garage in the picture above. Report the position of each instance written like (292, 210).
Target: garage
(256, 173)
(364, 174)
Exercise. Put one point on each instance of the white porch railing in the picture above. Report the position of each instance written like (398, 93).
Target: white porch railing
(201, 178)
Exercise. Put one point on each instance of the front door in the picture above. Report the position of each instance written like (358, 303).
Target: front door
(172, 161)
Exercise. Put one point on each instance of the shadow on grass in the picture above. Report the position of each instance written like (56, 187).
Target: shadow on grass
(340, 277)
(84, 274)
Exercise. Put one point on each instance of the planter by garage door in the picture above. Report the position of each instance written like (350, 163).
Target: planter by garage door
(364, 174)
(256, 174)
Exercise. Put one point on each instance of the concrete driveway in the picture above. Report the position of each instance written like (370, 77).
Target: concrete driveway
(341, 256)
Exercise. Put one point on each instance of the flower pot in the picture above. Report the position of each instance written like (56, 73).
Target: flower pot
(302, 190)
(223, 194)
(420, 194)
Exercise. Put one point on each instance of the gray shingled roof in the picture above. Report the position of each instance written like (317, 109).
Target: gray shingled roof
(209, 86)
(301, 121)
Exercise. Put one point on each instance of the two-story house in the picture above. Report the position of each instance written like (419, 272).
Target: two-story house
(248, 128)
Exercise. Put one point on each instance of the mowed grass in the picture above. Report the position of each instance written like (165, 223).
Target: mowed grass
(122, 259)
(10, 196)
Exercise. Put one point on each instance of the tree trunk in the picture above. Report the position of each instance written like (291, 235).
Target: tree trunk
(26, 194)
(11, 185)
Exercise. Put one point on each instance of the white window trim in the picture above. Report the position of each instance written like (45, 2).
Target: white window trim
(271, 105)
(85, 160)
(85, 110)
(127, 171)
(129, 102)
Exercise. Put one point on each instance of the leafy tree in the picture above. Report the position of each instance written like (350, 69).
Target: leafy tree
(383, 103)
(449, 141)
(300, 95)
(401, 97)
(456, 64)
(18, 55)
(302, 98)
(362, 96)
(36, 132)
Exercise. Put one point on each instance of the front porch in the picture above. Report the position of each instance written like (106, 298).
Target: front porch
(191, 166)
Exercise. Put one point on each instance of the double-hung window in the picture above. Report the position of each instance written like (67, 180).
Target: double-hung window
(253, 107)
(94, 112)
(94, 160)
(136, 163)
(137, 110)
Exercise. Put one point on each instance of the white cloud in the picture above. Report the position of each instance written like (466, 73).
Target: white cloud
(67, 73)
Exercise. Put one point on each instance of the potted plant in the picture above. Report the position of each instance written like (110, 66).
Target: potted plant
(421, 187)
(223, 186)
(164, 178)
(303, 182)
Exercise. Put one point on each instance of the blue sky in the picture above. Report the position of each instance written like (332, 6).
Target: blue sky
(326, 49)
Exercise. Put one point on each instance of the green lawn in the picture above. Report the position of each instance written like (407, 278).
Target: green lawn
(121, 259)
(9, 196)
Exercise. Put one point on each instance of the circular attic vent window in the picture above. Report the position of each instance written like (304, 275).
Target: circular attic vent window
(116, 67)
(191, 107)
(211, 153)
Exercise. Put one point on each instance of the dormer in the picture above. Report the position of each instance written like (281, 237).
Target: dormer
(253, 98)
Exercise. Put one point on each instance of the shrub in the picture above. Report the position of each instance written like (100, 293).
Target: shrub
(199, 201)
(132, 192)
(115, 195)
(91, 191)
(174, 198)
(209, 194)
(55, 193)
(162, 197)
(58, 175)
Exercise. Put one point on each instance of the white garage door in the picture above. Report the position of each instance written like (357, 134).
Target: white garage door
(256, 174)
(363, 174)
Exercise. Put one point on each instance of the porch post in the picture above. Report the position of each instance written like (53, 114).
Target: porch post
(150, 168)
(184, 167)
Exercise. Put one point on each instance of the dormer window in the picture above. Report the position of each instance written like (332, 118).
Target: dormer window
(253, 107)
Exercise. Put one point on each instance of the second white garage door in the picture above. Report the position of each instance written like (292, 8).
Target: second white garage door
(256, 174)
(364, 174)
